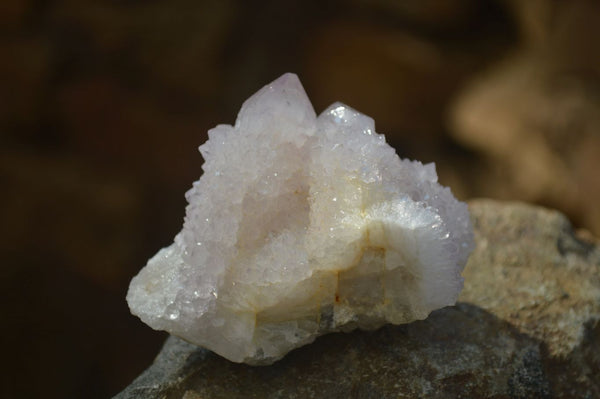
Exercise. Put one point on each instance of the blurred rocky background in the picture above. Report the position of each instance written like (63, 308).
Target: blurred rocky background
(104, 102)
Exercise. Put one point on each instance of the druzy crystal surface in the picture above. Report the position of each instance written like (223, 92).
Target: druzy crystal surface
(299, 226)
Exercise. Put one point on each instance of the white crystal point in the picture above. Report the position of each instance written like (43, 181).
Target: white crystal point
(300, 226)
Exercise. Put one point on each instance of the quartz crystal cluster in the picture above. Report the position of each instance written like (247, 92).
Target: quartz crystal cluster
(299, 226)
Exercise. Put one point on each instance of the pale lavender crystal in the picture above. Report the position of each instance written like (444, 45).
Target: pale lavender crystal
(303, 225)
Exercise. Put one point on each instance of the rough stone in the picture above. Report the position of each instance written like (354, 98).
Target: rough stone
(527, 326)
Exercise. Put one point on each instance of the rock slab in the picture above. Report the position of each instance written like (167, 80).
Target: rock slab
(526, 326)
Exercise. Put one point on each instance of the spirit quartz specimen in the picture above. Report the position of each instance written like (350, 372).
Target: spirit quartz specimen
(303, 225)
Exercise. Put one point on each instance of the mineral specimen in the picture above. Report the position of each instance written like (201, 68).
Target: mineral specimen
(303, 225)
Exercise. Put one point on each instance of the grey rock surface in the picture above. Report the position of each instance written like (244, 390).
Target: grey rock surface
(526, 326)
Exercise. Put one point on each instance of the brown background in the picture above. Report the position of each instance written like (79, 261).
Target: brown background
(103, 104)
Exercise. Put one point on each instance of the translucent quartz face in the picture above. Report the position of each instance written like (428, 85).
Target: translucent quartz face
(302, 225)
